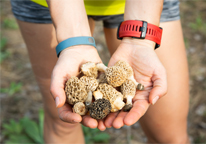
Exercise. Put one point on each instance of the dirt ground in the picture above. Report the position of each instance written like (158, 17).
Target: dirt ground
(16, 68)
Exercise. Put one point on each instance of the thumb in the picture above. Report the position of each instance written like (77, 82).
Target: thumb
(159, 88)
(57, 90)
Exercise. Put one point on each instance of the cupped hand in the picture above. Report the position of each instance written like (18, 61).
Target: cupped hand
(148, 71)
(68, 64)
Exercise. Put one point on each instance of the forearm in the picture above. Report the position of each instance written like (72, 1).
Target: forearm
(69, 18)
(146, 10)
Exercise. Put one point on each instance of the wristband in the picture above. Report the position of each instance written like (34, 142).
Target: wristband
(141, 30)
(82, 40)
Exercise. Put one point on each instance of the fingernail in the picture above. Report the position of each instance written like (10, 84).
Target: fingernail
(57, 101)
(155, 100)
(76, 121)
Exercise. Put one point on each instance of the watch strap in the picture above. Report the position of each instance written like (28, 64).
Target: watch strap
(141, 30)
(73, 41)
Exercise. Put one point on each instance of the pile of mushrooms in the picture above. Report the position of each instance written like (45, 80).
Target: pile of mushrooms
(96, 92)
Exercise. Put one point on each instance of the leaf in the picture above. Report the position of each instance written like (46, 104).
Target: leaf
(32, 130)
(20, 139)
(7, 127)
(4, 55)
(102, 137)
(3, 43)
(85, 129)
(41, 122)
(10, 23)
(14, 87)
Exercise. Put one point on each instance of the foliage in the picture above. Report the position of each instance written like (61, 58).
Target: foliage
(199, 25)
(28, 131)
(95, 135)
(3, 53)
(9, 23)
(24, 131)
(12, 89)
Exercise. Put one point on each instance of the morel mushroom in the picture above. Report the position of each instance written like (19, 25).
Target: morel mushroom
(128, 90)
(110, 93)
(100, 108)
(102, 78)
(75, 91)
(90, 85)
(80, 108)
(89, 69)
(115, 75)
(130, 73)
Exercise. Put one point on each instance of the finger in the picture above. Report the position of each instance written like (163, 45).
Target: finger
(89, 122)
(66, 114)
(159, 87)
(101, 125)
(109, 119)
(138, 110)
(57, 89)
(118, 122)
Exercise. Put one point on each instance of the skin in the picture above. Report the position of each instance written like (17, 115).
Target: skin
(161, 120)
(141, 56)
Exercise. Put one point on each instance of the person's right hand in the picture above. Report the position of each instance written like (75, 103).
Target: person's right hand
(68, 64)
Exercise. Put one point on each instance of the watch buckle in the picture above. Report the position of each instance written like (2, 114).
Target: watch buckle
(143, 30)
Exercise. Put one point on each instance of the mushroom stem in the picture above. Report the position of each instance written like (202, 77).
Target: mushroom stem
(89, 98)
(139, 86)
(129, 99)
(97, 95)
(101, 67)
(118, 103)
(128, 105)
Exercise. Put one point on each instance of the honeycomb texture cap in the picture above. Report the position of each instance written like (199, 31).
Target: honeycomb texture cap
(100, 109)
(75, 91)
(125, 66)
(115, 75)
(128, 88)
(90, 83)
(80, 108)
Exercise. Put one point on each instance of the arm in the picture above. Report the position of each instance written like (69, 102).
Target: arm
(70, 20)
(146, 10)
(140, 54)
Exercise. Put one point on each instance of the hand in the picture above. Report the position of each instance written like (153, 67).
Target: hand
(148, 71)
(68, 64)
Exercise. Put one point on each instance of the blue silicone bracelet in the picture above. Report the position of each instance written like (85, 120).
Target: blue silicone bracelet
(82, 40)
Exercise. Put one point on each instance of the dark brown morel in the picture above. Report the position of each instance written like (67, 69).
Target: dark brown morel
(100, 109)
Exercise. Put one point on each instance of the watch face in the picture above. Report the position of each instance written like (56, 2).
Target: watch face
(90, 40)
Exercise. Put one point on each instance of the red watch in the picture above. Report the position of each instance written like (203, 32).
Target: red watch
(141, 30)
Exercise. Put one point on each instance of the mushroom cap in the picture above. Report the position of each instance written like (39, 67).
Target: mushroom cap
(80, 108)
(75, 91)
(102, 78)
(128, 88)
(90, 83)
(100, 109)
(109, 92)
(89, 69)
(115, 75)
(125, 66)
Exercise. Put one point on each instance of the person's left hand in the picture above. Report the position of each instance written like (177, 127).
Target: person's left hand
(148, 71)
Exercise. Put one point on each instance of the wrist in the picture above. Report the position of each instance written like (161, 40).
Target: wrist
(141, 42)
(63, 34)
(74, 41)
